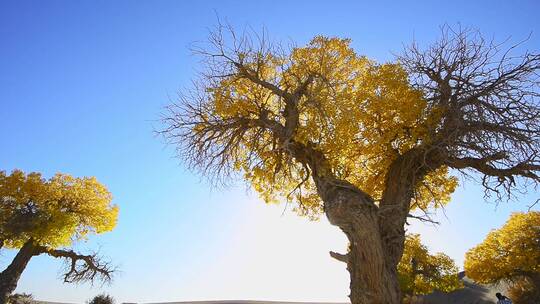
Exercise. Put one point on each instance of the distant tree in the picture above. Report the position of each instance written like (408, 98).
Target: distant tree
(102, 299)
(421, 273)
(364, 143)
(511, 253)
(21, 298)
(39, 216)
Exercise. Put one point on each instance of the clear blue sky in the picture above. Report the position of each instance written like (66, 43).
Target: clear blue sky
(82, 84)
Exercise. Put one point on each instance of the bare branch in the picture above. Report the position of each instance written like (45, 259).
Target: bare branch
(339, 256)
(530, 207)
(423, 219)
(482, 165)
(489, 100)
(83, 268)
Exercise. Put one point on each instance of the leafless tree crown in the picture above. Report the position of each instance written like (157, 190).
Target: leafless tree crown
(490, 105)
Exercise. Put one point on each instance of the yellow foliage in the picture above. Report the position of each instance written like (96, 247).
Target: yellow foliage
(421, 272)
(361, 115)
(53, 212)
(508, 253)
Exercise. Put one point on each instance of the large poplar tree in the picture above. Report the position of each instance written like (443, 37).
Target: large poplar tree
(364, 143)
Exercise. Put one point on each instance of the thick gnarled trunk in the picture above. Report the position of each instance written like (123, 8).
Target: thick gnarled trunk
(395, 203)
(373, 279)
(376, 233)
(373, 275)
(10, 276)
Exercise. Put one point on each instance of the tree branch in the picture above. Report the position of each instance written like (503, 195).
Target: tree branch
(339, 256)
(247, 73)
(488, 100)
(530, 207)
(423, 219)
(482, 165)
(82, 268)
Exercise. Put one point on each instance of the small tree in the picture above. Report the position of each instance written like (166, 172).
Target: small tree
(102, 299)
(511, 253)
(364, 143)
(421, 272)
(21, 298)
(39, 216)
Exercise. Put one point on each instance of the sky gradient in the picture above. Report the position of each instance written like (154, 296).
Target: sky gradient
(82, 85)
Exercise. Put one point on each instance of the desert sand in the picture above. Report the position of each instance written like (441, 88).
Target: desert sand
(471, 293)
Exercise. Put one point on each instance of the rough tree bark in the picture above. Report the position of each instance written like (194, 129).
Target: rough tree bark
(373, 278)
(10, 276)
(376, 233)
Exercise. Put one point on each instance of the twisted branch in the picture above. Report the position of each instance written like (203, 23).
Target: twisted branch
(83, 268)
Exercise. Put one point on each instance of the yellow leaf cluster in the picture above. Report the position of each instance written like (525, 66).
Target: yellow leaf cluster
(53, 212)
(360, 114)
(421, 272)
(507, 253)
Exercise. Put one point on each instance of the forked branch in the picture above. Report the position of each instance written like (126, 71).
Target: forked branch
(488, 99)
(83, 268)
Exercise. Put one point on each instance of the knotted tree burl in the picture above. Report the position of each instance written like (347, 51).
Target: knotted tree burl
(362, 142)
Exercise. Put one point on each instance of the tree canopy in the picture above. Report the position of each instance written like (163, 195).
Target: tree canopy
(55, 212)
(508, 253)
(421, 272)
(360, 114)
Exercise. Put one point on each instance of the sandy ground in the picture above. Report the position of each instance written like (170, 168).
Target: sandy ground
(215, 302)
(246, 302)
(471, 293)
